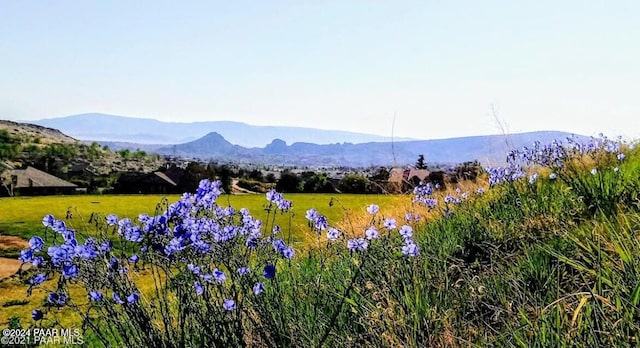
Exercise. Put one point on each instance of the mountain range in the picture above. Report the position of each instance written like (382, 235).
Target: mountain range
(489, 150)
(103, 127)
(120, 132)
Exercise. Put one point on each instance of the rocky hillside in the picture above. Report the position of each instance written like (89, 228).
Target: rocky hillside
(32, 133)
(87, 165)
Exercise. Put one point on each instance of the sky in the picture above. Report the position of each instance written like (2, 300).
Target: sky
(420, 69)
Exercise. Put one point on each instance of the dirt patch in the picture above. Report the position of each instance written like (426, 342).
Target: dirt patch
(8, 267)
(11, 242)
(235, 189)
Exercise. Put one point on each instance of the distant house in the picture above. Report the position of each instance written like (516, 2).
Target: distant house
(32, 182)
(415, 176)
(175, 174)
(403, 180)
(156, 182)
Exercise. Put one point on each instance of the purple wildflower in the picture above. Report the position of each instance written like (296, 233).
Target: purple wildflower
(373, 209)
(406, 231)
(371, 233)
(36, 244)
(112, 219)
(37, 279)
(333, 234)
(357, 244)
(48, 220)
(229, 304)
(117, 298)
(258, 288)
(269, 271)
(133, 298)
(410, 249)
(197, 286)
(390, 223)
(95, 295)
(219, 275)
(37, 314)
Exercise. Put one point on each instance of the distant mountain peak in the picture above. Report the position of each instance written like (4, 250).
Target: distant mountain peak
(276, 146)
(104, 127)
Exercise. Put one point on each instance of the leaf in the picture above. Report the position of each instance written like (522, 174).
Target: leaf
(583, 301)
(635, 297)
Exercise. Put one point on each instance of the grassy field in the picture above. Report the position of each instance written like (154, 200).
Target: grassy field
(22, 217)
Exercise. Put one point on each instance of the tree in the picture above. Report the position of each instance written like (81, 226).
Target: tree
(289, 182)
(317, 183)
(125, 153)
(420, 164)
(93, 151)
(379, 180)
(224, 175)
(256, 174)
(354, 183)
(270, 178)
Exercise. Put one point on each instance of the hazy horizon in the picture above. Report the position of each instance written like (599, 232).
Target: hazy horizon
(441, 68)
(274, 125)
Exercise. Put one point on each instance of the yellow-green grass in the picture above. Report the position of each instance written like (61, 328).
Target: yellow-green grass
(22, 216)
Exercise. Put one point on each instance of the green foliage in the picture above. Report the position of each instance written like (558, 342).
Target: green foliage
(270, 178)
(289, 182)
(354, 183)
(252, 185)
(139, 154)
(316, 183)
(125, 153)
(256, 175)
(94, 151)
(9, 146)
(14, 322)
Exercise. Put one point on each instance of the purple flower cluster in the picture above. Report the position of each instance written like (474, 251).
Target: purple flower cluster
(191, 234)
(554, 156)
(510, 173)
(317, 222)
(276, 198)
(410, 248)
(357, 244)
(423, 194)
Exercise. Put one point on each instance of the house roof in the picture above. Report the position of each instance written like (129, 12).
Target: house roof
(32, 177)
(149, 178)
(420, 173)
(396, 175)
(164, 177)
(175, 174)
(400, 174)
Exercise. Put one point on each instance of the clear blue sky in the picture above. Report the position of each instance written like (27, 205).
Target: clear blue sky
(440, 66)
